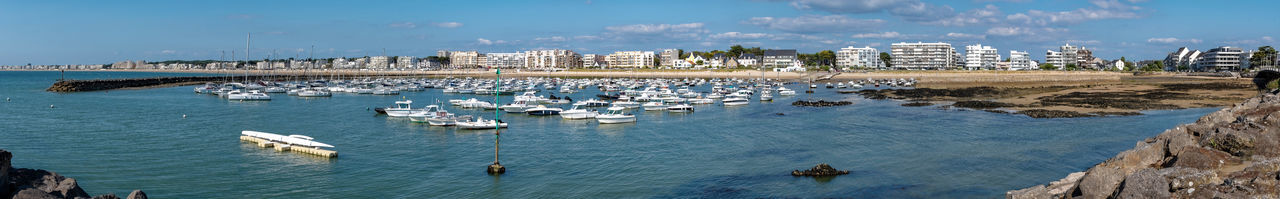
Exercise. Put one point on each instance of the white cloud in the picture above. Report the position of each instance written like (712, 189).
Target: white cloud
(910, 10)
(655, 32)
(1172, 40)
(168, 51)
(884, 35)
(448, 24)
(403, 25)
(956, 35)
(739, 35)
(1265, 40)
(483, 41)
(989, 14)
(551, 39)
(1009, 31)
(815, 23)
(587, 37)
(655, 28)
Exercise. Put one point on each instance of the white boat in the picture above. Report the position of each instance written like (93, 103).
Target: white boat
(543, 110)
(295, 140)
(783, 91)
(253, 95)
(402, 109)
(450, 90)
(615, 115)
(735, 101)
(591, 103)
(480, 123)
(578, 113)
(766, 95)
(274, 89)
(654, 106)
(209, 88)
(680, 108)
(715, 96)
(702, 101)
(626, 104)
(385, 91)
(518, 106)
(567, 89)
(314, 93)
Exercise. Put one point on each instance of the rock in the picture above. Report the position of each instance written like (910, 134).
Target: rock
(1061, 187)
(107, 196)
(1042, 113)
(1144, 183)
(137, 194)
(49, 182)
(1180, 178)
(5, 156)
(33, 193)
(1035, 192)
(1201, 158)
(819, 171)
(1100, 182)
(820, 103)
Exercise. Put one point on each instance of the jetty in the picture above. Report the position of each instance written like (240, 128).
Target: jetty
(282, 147)
(108, 84)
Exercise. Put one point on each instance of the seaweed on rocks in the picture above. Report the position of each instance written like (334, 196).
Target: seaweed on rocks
(983, 104)
(820, 103)
(820, 170)
(915, 104)
(1042, 113)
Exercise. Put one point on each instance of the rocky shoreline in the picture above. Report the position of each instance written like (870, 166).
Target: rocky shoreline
(23, 183)
(1231, 153)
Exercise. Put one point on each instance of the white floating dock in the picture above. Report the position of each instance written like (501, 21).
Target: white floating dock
(286, 147)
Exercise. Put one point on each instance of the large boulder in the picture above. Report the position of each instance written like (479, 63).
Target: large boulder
(1100, 182)
(1145, 183)
(1201, 158)
(5, 156)
(1035, 192)
(137, 194)
(48, 182)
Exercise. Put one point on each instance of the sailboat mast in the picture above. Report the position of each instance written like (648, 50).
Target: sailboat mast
(248, 37)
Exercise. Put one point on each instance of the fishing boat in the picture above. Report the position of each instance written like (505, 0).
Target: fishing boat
(735, 101)
(615, 115)
(680, 108)
(543, 110)
(578, 113)
(481, 123)
(402, 109)
(295, 140)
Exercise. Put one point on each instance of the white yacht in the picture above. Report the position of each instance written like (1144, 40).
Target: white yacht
(253, 95)
(578, 113)
(680, 108)
(766, 95)
(702, 101)
(615, 115)
(402, 109)
(783, 91)
(385, 91)
(308, 92)
(626, 104)
(591, 103)
(518, 106)
(543, 110)
(735, 101)
(480, 123)
(655, 106)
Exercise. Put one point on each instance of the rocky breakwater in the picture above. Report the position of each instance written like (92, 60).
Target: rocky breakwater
(1231, 153)
(22, 183)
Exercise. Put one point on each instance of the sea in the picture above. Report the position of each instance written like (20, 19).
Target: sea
(173, 143)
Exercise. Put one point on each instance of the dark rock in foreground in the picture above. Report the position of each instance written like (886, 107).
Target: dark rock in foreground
(1231, 153)
(820, 103)
(21, 183)
(819, 171)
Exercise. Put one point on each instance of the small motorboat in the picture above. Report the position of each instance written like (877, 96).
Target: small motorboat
(654, 106)
(578, 113)
(543, 110)
(616, 115)
(680, 108)
(481, 123)
(735, 101)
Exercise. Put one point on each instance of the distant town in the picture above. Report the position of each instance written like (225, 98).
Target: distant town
(902, 56)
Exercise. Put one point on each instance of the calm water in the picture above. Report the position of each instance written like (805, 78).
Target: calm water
(120, 140)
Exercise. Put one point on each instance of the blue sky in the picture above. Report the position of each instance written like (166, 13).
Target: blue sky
(95, 32)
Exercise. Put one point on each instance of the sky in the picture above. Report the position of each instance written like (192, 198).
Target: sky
(100, 32)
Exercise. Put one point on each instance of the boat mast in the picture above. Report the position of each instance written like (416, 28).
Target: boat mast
(248, 37)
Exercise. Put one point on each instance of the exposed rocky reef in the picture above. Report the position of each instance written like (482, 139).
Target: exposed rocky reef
(1231, 153)
(22, 183)
(820, 103)
(822, 170)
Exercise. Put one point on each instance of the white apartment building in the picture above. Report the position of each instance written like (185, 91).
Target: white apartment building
(465, 59)
(505, 60)
(406, 62)
(1224, 58)
(379, 62)
(979, 57)
(669, 57)
(592, 61)
(923, 56)
(630, 59)
(1020, 60)
(1067, 54)
(865, 57)
(549, 59)
(779, 58)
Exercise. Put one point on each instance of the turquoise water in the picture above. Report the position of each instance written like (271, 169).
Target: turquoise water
(120, 140)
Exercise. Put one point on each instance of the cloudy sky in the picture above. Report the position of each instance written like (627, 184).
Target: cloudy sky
(94, 32)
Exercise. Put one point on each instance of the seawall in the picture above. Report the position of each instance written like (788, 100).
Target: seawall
(1231, 153)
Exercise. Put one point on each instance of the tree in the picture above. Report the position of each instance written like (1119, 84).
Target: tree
(884, 57)
(756, 51)
(1048, 66)
(826, 57)
(680, 54)
(1072, 67)
(736, 50)
(1265, 56)
(1184, 67)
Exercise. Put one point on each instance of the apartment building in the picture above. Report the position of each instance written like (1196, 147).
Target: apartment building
(865, 57)
(505, 60)
(631, 59)
(1223, 58)
(551, 59)
(923, 56)
(1020, 60)
(779, 58)
(979, 57)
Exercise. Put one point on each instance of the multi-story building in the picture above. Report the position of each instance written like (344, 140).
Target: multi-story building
(465, 59)
(505, 60)
(592, 61)
(865, 57)
(406, 62)
(1224, 58)
(630, 59)
(979, 57)
(1020, 60)
(552, 59)
(779, 58)
(923, 56)
(379, 62)
(1071, 55)
(1183, 57)
(748, 60)
(669, 57)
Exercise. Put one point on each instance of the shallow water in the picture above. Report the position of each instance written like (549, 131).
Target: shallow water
(120, 140)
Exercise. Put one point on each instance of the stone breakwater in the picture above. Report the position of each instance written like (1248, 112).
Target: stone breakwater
(108, 84)
(22, 183)
(1231, 153)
